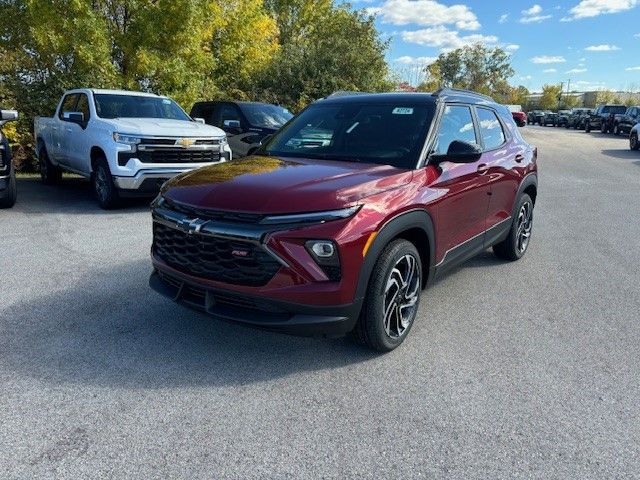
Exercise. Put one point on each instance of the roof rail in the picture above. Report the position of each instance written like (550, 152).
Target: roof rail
(462, 91)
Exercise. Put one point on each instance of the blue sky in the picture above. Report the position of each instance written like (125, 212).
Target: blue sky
(595, 43)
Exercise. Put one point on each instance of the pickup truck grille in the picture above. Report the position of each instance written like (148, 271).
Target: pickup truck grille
(222, 260)
(178, 156)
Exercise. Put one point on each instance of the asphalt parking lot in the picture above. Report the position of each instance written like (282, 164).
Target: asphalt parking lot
(513, 370)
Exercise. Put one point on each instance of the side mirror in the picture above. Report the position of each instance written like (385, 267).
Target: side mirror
(460, 152)
(199, 120)
(73, 117)
(8, 115)
(231, 126)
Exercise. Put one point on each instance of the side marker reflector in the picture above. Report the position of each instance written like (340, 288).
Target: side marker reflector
(368, 244)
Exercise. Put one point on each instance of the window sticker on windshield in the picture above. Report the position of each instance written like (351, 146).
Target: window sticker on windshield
(166, 101)
(402, 111)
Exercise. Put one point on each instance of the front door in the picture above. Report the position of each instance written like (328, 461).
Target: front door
(462, 209)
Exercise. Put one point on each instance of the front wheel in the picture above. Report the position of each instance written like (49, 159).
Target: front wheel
(515, 245)
(103, 187)
(392, 299)
(49, 173)
(634, 144)
(11, 193)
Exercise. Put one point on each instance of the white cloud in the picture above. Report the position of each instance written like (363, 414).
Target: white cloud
(426, 13)
(407, 60)
(533, 15)
(512, 47)
(637, 35)
(525, 78)
(549, 70)
(602, 48)
(441, 37)
(504, 17)
(543, 59)
(576, 70)
(632, 69)
(593, 8)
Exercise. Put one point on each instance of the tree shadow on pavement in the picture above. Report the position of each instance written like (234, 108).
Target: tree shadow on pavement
(111, 329)
(71, 195)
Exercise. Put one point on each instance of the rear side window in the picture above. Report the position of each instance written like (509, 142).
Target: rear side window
(456, 124)
(490, 128)
(68, 104)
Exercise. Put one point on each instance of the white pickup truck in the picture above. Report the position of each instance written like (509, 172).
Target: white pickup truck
(127, 143)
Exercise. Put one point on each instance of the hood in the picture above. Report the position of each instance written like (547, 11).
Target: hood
(269, 185)
(163, 127)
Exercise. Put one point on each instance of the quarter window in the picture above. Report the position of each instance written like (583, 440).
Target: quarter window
(490, 129)
(456, 124)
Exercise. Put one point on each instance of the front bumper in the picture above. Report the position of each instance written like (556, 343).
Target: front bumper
(157, 176)
(285, 317)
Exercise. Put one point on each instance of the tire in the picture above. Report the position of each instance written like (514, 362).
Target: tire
(49, 173)
(11, 193)
(603, 128)
(616, 130)
(587, 127)
(103, 187)
(397, 275)
(634, 144)
(517, 242)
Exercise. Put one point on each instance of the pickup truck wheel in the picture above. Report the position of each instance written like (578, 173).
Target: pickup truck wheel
(515, 245)
(11, 193)
(392, 299)
(634, 144)
(587, 127)
(103, 187)
(49, 173)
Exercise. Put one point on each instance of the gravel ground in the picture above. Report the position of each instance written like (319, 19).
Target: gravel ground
(513, 370)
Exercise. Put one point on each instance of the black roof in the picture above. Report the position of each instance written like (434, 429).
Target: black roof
(448, 94)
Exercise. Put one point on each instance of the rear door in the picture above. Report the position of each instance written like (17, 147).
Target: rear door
(505, 160)
(462, 209)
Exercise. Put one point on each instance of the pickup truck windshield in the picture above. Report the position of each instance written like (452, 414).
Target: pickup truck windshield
(137, 106)
(386, 134)
(265, 115)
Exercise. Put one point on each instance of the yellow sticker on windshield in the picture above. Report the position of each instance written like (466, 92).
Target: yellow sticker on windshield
(402, 111)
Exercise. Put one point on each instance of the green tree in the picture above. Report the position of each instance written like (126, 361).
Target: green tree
(324, 48)
(550, 97)
(474, 67)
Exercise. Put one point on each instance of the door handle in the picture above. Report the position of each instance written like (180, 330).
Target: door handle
(519, 158)
(483, 168)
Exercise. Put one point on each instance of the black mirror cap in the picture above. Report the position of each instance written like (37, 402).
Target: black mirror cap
(75, 117)
(460, 152)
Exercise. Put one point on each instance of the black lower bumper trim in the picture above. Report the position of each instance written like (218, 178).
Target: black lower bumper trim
(291, 318)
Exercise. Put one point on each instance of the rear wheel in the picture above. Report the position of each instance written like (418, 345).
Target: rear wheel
(515, 245)
(11, 193)
(49, 173)
(392, 299)
(634, 144)
(103, 187)
(587, 127)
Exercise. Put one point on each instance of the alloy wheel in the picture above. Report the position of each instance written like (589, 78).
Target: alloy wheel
(525, 224)
(401, 296)
(101, 184)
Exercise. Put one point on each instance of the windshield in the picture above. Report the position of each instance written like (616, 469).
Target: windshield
(614, 109)
(265, 115)
(387, 134)
(137, 106)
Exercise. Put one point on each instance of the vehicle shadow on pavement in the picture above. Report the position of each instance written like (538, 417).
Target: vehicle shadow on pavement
(110, 329)
(621, 153)
(71, 195)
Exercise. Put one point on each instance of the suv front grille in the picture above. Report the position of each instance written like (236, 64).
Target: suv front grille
(207, 214)
(212, 258)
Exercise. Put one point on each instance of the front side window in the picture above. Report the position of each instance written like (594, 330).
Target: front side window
(266, 116)
(456, 124)
(228, 112)
(490, 129)
(68, 104)
(83, 106)
(386, 134)
(137, 106)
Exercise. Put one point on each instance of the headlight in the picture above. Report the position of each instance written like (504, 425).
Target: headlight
(223, 141)
(126, 139)
(313, 217)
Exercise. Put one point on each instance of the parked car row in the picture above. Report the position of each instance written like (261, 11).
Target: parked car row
(7, 171)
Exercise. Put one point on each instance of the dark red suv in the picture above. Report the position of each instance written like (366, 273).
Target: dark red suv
(347, 213)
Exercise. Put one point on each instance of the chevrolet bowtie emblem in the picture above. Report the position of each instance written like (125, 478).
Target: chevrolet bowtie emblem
(191, 226)
(185, 142)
